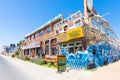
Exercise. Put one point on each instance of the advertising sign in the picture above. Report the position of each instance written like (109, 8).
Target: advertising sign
(61, 37)
(61, 65)
(75, 33)
(70, 34)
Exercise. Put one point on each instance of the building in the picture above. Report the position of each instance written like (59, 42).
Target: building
(73, 32)
(1, 49)
(43, 40)
(77, 30)
(6, 49)
(79, 34)
(12, 48)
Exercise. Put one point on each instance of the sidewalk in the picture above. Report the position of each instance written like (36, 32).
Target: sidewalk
(43, 73)
(110, 72)
(37, 72)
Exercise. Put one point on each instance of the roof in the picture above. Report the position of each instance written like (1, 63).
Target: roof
(60, 16)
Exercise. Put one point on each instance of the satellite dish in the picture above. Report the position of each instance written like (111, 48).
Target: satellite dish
(90, 4)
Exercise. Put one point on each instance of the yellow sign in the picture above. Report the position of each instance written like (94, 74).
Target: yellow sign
(75, 33)
(70, 34)
(62, 37)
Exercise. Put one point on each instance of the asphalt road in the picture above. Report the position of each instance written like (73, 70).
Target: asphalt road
(11, 72)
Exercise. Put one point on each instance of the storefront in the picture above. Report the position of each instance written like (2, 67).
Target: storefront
(47, 47)
(50, 47)
(39, 51)
(72, 47)
(72, 40)
(53, 47)
(32, 49)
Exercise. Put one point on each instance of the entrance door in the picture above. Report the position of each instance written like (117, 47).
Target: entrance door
(47, 50)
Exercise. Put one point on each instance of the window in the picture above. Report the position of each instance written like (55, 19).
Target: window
(47, 50)
(42, 33)
(54, 51)
(94, 50)
(48, 30)
(78, 48)
(52, 28)
(64, 45)
(97, 24)
(33, 37)
(29, 38)
(73, 16)
(71, 48)
(78, 43)
(71, 44)
(26, 39)
(36, 35)
(30, 51)
(65, 28)
(58, 24)
(78, 13)
(69, 18)
(94, 22)
(39, 52)
(100, 21)
(78, 23)
(56, 31)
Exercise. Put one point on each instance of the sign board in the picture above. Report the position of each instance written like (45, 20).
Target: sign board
(70, 34)
(61, 63)
(32, 45)
(75, 33)
(61, 37)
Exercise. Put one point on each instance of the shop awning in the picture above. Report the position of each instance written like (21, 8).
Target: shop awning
(32, 45)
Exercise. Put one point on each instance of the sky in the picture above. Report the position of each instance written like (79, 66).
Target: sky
(20, 17)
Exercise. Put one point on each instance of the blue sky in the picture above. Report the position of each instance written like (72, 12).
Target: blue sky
(20, 17)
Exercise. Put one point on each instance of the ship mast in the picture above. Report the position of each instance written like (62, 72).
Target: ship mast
(85, 11)
(89, 11)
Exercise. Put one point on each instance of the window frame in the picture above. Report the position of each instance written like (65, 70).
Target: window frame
(48, 29)
(63, 27)
(36, 35)
(79, 23)
(41, 33)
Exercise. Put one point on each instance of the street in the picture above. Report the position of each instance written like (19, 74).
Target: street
(10, 72)
(16, 69)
